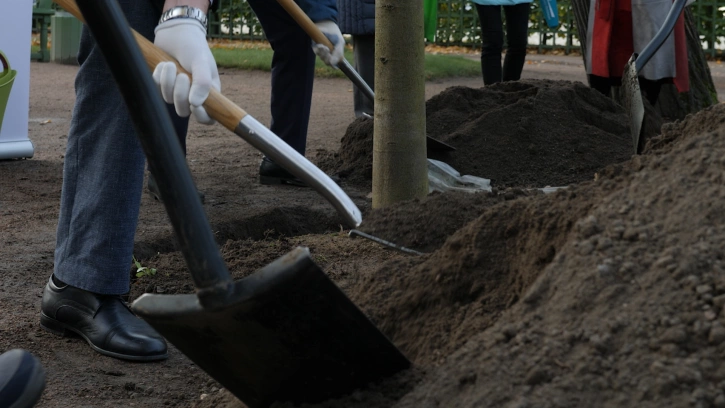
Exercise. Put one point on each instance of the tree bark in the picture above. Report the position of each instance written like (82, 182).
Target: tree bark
(671, 104)
(400, 167)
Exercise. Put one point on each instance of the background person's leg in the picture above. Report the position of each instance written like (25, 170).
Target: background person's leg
(517, 26)
(491, 43)
(364, 50)
(293, 72)
(651, 88)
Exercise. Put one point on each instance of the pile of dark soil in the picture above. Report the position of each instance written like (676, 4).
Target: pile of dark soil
(609, 293)
(532, 133)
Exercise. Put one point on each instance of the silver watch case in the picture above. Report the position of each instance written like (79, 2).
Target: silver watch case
(184, 12)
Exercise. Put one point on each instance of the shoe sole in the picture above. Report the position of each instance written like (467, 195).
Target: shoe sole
(271, 181)
(61, 329)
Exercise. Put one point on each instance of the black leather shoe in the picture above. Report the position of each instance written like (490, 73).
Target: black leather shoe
(153, 189)
(104, 321)
(272, 173)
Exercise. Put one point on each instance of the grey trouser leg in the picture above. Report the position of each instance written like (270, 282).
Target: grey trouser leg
(102, 173)
(364, 51)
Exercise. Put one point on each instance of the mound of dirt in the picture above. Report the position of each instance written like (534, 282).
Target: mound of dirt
(531, 133)
(609, 293)
(708, 120)
(629, 312)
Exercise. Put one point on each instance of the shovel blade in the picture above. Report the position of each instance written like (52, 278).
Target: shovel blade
(633, 102)
(287, 333)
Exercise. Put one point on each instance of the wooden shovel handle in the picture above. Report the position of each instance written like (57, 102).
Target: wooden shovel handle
(217, 105)
(304, 21)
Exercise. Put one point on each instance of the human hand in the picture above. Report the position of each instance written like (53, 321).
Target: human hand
(332, 32)
(185, 40)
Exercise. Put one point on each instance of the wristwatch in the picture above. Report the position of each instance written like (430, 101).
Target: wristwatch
(184, 12)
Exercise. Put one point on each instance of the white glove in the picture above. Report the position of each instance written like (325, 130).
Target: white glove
(185, 40)
(332, 32)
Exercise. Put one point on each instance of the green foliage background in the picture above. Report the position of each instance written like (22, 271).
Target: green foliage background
(458, 24)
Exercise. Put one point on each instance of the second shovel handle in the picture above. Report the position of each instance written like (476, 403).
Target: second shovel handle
(305, 22)
(218, 106)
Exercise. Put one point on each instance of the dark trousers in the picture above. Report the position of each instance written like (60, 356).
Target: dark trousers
(650, 89)
(364, 50)
(293, 72)
(517, 24)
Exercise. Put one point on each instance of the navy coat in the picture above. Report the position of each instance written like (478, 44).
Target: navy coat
(356, 17)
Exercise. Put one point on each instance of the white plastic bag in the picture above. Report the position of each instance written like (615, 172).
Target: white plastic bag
(442, 177)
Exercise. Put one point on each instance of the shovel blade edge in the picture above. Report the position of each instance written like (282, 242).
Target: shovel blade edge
(288, 333)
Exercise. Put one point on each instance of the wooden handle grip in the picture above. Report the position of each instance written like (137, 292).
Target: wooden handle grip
(304, 21)
(217, 105)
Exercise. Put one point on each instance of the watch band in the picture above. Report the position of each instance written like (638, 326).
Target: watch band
(184, 12)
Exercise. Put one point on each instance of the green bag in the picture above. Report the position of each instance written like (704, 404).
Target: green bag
(7, 77)
(430, 19)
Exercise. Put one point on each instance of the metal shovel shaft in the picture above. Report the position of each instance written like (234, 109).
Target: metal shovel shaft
(633, 102)
(356, 79)
(643, 58)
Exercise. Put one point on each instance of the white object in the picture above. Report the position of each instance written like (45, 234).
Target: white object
(15, 30)
(442, 177)
(185, 40)
(332, 32)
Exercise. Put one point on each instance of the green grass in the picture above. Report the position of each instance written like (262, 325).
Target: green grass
(437, 66)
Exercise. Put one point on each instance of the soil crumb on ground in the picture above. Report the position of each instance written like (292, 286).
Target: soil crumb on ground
(608, 293)
(529, 133)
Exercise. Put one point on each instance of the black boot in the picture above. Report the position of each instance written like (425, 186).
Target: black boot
(104, 321)
(272, 173)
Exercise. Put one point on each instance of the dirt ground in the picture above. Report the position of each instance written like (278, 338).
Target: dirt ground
(607, 293)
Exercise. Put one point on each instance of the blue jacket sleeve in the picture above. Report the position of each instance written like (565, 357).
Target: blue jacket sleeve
(319, 10)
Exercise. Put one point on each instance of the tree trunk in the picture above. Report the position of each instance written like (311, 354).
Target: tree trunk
(400, 167)
(671, 104)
